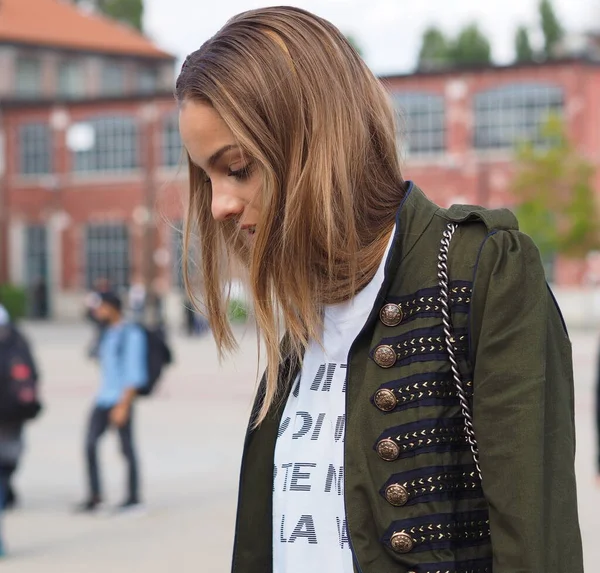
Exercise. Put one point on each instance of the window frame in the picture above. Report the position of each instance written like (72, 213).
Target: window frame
(172, 147)
(114, 151)
(505, 115)
(145, 72)
(29, 92)
(25, 145)
(109, 87)
(112, 244)
(66, 65)
(421, 122)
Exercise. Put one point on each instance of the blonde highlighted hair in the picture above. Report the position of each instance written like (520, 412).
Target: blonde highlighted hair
(319, 127)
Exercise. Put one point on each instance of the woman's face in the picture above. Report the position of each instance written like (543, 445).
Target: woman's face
(234, 178)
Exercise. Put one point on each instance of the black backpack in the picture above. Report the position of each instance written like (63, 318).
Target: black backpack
(158, 355)
(19, 397)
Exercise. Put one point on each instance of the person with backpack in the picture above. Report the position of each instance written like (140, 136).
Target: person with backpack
(123, 356)
(19, 401)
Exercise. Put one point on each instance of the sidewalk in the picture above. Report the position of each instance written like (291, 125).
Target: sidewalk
(190, 440)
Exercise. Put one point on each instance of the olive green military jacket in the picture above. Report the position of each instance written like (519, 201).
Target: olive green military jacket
(414, 502)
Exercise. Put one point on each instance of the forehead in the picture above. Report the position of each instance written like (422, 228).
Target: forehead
(203, 130)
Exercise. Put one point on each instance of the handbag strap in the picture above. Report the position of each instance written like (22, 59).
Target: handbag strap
(449, 340)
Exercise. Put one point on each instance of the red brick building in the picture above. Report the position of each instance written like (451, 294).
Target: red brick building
(90, 154)
(461, 128)
(91, 183)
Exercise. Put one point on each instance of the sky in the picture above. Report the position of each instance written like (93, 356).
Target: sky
(388, 31)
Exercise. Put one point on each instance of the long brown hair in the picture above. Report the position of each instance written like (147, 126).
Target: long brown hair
(304, 106)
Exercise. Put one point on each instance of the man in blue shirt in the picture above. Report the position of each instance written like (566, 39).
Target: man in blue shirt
(123, 364)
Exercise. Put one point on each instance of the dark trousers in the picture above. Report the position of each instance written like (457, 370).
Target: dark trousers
(98, 424)
(8, 492)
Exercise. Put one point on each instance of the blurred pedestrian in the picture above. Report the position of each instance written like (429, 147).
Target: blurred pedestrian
(92, 301)
(137, 300)
(418, 414)
(195, 323)
(19, 401)
(40, 298)
(123, 364)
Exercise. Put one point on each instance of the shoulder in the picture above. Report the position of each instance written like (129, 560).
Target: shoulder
(475, 227)
(134, 330)
(492, 219)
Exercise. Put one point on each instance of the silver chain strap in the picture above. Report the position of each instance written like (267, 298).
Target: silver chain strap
(446, 319)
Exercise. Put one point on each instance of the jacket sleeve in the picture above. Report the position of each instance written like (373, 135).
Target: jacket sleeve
(523, 410)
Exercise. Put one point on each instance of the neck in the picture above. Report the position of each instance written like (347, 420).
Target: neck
(116, 320)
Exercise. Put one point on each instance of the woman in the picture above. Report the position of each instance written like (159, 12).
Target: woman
(358, 457)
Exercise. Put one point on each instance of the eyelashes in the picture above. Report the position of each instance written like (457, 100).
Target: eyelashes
(240, 174)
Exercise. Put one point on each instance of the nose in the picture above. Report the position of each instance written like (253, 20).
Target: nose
(224, 206)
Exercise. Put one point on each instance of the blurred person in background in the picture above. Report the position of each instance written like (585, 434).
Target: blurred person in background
(416, 414)
(19, 401)
(40, 298)
(137, 300)
(123, 371)
(195, 323)
(92, 300)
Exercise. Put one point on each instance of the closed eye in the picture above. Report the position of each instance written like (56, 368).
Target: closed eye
(241, 174)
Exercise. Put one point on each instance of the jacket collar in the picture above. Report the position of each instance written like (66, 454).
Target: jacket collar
(413, 217)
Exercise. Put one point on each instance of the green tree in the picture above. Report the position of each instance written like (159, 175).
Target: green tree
(551, 28)
(471, 47)
(355, 44)
(523, 46)
(129, 11)
(555, 195)
(435, 50)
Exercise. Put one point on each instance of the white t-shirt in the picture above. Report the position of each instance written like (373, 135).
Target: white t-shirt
(309, 516)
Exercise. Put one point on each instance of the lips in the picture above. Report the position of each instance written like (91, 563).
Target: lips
(250, 229)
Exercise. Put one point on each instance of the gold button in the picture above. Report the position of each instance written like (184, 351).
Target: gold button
(385, 356)
(385, 400)
(402, 542)
(388, 450)
(391, 315)
(396, 494)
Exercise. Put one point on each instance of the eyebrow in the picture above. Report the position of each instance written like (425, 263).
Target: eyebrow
(217, 154)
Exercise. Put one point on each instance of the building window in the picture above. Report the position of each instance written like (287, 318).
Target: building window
(424, 118)
(35, 149)
(36, 268)
(171, 142)
(147, 80)
(113, 78)
(514, 113)
(29, 76)
(71, 79)
(114, 146)
(107, 255)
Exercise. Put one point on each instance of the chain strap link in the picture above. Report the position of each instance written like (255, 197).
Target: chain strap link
(447, 321)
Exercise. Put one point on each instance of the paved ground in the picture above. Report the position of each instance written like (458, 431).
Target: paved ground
(192, 437)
